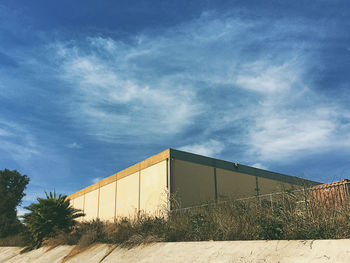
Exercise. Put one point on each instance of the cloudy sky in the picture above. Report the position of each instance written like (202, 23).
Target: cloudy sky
(88, 88)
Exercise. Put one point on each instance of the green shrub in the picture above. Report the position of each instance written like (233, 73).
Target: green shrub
(48, 217)
(200, 226)
(270, 227)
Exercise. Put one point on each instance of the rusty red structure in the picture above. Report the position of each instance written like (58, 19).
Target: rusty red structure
(331, 194)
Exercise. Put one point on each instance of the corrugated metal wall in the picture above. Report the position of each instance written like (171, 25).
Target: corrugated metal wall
(331, 194)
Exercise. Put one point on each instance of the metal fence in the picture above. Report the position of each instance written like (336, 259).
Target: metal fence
(326, 195)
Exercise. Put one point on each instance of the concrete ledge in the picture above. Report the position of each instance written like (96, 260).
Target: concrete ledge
(223, 251)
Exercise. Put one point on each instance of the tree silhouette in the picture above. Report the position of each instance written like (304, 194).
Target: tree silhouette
(12, 185)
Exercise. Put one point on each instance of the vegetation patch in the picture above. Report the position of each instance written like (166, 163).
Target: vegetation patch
(12, 185)
(283, 219)
(52, 222)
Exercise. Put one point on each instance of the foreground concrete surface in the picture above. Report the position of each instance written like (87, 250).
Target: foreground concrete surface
(219, 252)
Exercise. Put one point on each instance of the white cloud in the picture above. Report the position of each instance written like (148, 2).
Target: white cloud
(112, 104)
(259, 165)
(74, 145)
(278, 137)
(21, 211)
(229, 78)
(263, 77)
(210, 148)
(295, 123)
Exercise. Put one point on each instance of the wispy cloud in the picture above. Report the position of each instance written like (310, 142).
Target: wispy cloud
(114, 104)
(284, 134)
(259, 165)
(17, 141)
(207, 86)
(210, 148)
(74, 145)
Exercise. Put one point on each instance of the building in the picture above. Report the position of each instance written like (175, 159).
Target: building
(188, 178)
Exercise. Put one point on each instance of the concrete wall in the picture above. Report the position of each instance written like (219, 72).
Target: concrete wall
(256, 251)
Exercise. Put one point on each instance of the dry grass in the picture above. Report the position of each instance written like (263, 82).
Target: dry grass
(12, 241)
(285, 218)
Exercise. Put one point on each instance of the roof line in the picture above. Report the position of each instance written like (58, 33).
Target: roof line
(204, 160)
(195, 158)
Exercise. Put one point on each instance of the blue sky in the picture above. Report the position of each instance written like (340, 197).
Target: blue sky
(88, 88)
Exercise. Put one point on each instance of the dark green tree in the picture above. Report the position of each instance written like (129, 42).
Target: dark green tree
(49, 216)
(12, 185)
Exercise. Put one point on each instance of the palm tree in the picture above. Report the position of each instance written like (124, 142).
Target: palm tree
(48, 216)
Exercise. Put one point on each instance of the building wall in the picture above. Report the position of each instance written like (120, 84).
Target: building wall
(232, 185)
(267, 186)
(153, 190)
(194, 184)
(191, 183)
(107, 202)
(78, 203)
(91, 205)
(128, 195)
(193, 180)
(125, 195)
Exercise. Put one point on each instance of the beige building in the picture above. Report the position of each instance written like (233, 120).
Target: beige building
(187, 178)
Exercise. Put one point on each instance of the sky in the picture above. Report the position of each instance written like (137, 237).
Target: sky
(88, 88)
